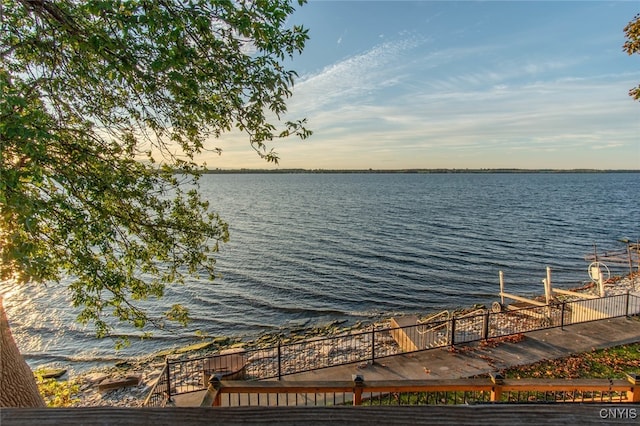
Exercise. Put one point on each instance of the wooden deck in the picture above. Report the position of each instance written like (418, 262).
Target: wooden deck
(493, 414)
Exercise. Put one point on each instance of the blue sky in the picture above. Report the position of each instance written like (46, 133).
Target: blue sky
(443, 84)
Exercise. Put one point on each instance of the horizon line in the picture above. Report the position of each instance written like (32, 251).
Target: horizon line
(417, 170)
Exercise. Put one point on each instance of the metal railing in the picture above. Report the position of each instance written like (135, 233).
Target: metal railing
(188, 375)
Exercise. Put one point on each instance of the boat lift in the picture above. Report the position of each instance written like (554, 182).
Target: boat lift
(598, 272)
(524, 301)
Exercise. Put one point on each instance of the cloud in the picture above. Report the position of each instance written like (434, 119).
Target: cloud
(353, 77)
(522, 123)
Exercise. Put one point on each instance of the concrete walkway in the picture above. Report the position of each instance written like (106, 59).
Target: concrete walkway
(475, 359)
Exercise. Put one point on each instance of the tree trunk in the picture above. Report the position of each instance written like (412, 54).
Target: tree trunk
(17, 384)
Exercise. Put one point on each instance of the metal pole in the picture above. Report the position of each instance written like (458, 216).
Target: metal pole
(485, 331)
(279, 360)
(626, 314)
(600, 282)
(562, 315)
(168, 370)
(547, 291)
(453, 331)
(373, 346)
(548, 286)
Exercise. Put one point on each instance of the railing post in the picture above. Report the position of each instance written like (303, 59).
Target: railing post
(562, 315)
(485, 331)
(279, 360)
(373, 345)
(167, 368)
(358, 384)
(633, 395)
(215, 389)
(496, 390)
(452, 340)
(626, 313)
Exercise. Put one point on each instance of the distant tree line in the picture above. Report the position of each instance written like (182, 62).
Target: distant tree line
(409, 171)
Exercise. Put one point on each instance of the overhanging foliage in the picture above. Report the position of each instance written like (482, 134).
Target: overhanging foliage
(104, 107)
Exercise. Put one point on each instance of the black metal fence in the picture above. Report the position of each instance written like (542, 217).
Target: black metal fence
(365, 346)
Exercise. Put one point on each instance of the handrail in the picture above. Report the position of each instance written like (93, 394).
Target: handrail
(432, 318)
(471, 314)
(441, 322)
(157, 395)
(473, 390)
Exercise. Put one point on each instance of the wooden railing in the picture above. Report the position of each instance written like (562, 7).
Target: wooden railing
(222, 393)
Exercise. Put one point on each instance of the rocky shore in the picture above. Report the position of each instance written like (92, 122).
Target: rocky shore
(128, 384)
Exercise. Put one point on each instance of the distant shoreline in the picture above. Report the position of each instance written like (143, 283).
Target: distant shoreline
(412, 171)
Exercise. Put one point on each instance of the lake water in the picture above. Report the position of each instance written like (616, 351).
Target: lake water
(307, 249)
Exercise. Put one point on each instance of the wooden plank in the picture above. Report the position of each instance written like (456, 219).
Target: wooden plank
(620, 386)
(566, 382)
(442, 388)
(294, 388)
(494, 414)
(399, 332)
(448, 385)
(523, 299)
(234, 384)
(431, 383)
(348, 386)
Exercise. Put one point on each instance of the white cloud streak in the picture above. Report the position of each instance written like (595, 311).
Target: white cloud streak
(514, 107)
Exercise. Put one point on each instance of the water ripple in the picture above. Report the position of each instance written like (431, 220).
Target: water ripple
(309, 248)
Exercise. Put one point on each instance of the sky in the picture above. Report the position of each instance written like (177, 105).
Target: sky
(456, 85)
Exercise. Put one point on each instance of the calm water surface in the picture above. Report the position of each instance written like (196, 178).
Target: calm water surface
(306, 249)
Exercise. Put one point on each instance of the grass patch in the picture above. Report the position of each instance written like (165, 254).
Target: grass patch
(609, 363)
(57, 393)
